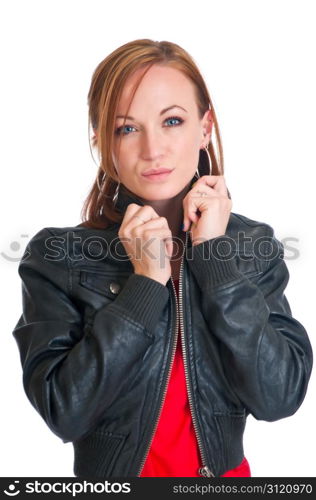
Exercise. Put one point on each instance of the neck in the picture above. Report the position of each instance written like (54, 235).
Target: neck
(172, 209)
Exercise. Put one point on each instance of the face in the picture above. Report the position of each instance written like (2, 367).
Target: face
(163, 131)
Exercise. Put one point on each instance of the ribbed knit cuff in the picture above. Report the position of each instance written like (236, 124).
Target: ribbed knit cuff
(213, 262)
(142, 299)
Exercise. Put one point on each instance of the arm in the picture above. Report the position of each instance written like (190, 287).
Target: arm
(71, 372)
(266, 353)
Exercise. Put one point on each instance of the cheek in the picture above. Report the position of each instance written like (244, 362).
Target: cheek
(191, 139)
(122, 157)
(189, 149)
(191, 152)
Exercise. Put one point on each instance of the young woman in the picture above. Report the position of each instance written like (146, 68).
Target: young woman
(151, 330)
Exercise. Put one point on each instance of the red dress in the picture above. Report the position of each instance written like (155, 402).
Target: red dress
(174, 450)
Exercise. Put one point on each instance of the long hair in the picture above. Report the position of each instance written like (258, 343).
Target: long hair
(106, 87)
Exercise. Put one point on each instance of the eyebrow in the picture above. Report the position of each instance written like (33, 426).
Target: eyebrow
(161, 112)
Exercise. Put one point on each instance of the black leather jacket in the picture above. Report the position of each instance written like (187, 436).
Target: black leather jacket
(97, 341)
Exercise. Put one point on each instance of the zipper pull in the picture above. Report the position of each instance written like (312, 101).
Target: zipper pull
(206, 472)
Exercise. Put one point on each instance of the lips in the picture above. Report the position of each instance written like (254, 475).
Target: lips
(154, 171)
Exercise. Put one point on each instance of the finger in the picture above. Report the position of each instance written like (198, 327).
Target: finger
(162, 234)
(130, 212)
(216, 182)
(157, 223)
(193, 201)
(145, 213)
(223, 190)
(201, 188)
(189, 212)
(132, 209)
(157, 238)
(157, 232)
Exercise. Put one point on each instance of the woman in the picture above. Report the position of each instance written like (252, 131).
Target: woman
(151, 330)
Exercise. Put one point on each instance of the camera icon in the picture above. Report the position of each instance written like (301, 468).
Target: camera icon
(12, 490)
(15, 246)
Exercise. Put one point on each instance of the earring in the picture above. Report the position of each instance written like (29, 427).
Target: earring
(197, 173)
(209, 158)
(114, 199)
(97, 180)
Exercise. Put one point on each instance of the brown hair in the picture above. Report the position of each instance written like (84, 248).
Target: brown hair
(106, 87)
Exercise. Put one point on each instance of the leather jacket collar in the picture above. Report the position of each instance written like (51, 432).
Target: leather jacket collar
(125, 197)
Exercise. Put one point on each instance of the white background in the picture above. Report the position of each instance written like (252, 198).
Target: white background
(258, 59)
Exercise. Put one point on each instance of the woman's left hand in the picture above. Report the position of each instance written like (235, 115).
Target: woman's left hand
(214, 207)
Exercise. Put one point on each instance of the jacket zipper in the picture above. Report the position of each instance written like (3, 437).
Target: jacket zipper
(204, 470)
(164, 391)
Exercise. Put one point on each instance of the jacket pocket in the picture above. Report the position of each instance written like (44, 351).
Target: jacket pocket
(96, 454)
(108, 284)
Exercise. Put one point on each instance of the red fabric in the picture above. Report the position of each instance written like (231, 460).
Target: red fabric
(174, 450)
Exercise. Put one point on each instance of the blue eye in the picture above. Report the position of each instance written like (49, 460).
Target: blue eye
(119, 130)
(124, 131)
(175, 118)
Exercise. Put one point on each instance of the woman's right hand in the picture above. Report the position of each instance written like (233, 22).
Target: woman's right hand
(147, 240)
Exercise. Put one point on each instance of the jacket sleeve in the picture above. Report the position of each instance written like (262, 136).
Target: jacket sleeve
(266, 353)
(72, 372)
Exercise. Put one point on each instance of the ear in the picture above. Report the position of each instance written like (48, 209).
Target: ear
(207, 124)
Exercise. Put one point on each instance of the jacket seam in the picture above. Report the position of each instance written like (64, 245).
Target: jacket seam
(263, 329)
(112, 308)
(250, 224)
(69, 286)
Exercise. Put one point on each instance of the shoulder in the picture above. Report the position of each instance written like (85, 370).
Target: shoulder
(70, 245)
(239, 222)
(67, 232)
(254, 236)
(47, 236)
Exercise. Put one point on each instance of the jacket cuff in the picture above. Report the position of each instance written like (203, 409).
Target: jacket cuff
(213, 262)
(142, 299)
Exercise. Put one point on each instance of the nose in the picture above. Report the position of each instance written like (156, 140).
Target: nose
(151, 145)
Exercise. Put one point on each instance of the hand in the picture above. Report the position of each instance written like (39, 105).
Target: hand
(147, 240)
(214, 208)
